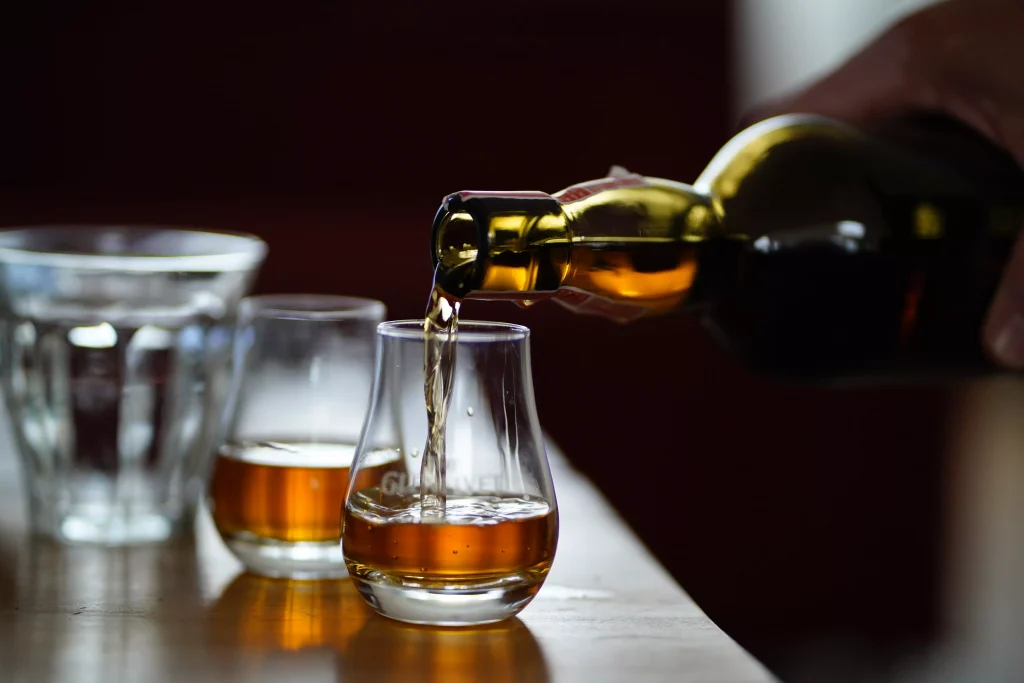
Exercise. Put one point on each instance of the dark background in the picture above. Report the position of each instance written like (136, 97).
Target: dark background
(796, 518)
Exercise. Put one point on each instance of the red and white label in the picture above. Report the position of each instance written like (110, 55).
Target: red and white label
(587, 189)
(570, 194)
(590, 304)
(509, 195)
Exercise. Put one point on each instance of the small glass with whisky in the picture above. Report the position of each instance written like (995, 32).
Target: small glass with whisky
(303, 367)
(463, 531)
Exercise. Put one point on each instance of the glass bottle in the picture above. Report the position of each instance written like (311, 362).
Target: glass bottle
(811, 249)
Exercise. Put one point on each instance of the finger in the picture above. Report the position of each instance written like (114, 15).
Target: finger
(1003, 335)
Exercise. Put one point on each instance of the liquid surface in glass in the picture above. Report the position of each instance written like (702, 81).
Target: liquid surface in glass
(288, 491)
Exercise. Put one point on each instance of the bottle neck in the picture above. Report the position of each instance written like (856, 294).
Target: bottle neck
(619, 237)
(493, 241)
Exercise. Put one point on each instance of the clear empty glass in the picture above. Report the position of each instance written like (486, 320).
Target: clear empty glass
(116, 354)
(302, 376)
(487, 555)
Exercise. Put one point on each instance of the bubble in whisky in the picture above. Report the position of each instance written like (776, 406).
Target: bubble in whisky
(481, 536)
(288, 492)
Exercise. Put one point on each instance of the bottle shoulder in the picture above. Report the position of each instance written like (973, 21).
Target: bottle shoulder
(799, 171)
(797, 150)
(751, 149)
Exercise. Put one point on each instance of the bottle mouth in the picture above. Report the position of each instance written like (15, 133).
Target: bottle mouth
(461, 224)
(456, 239)
(480, 234)
(456, 235)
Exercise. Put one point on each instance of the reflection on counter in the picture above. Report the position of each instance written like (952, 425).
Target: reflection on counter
(105, 606)
(386, 650)
(269, 618)
(9, 550)
(261, 614)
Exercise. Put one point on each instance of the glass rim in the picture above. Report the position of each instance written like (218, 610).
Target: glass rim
(470, 331)
(234, 250)
(329, 307)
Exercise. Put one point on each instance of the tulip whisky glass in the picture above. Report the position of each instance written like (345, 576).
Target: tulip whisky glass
(478, 549)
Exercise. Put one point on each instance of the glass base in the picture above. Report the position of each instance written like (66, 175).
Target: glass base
(283, 560)
(110, 527)
(445, 603)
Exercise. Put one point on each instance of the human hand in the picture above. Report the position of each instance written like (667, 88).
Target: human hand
(961, 57)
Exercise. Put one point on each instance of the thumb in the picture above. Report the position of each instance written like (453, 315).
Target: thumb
(1003, 334)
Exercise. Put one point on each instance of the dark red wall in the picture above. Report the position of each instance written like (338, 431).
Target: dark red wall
(333, 130)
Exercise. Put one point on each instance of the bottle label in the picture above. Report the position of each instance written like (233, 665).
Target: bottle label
(590, 304)
(504, 195)
(592, 187)
(571, 194)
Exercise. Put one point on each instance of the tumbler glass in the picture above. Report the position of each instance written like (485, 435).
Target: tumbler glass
(116, 355)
